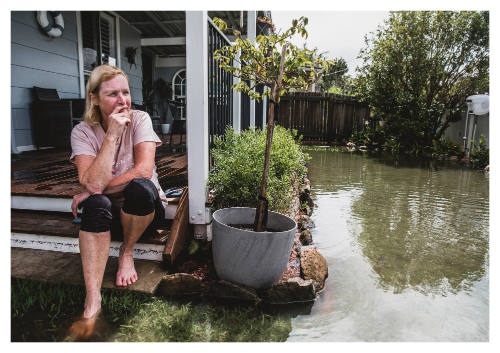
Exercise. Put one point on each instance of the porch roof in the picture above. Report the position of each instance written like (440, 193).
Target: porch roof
(171, 24)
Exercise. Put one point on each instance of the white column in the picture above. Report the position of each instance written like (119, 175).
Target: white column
(118, 44)
(197, 113)
(80, 53)
(251, 34)
(237, 101)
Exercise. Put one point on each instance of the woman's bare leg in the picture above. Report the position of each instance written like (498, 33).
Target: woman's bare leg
(94, 251)
(133, 227)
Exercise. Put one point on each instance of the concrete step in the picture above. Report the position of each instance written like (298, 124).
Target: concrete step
(56, 267)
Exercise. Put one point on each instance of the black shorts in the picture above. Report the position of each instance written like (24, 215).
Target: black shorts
(140, 198)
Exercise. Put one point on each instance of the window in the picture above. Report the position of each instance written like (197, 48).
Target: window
(98, 40)
(179, 91)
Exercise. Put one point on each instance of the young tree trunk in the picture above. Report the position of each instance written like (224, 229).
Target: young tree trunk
(275, 94)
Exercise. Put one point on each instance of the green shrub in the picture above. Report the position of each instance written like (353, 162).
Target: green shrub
(369, 137)
(448, 147)
(238, 166)
(480, 154)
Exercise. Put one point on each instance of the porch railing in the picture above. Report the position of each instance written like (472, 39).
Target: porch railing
(220, 111)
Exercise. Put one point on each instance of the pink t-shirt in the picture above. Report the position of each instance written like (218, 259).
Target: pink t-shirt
(87, 140)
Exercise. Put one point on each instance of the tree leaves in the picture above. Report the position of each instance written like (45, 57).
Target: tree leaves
(259, 62)
(420, 66)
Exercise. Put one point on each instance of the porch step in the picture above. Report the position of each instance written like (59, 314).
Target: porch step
(55, 231)
(63, 204)
(56, 267)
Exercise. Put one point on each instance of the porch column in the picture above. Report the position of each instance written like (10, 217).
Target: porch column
(197, 113)
(237, 101)
(251, 34)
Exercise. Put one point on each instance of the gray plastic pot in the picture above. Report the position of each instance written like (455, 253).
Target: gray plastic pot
(254, 259)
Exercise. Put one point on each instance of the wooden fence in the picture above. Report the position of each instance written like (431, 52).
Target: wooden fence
(322, 118)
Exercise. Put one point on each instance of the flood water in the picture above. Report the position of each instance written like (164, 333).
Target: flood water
(407, 247)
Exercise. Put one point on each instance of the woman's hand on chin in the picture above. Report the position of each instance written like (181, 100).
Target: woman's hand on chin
(118, 120)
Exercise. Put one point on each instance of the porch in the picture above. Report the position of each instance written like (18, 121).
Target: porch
(147, 45)
(44, 181)
(43, 184)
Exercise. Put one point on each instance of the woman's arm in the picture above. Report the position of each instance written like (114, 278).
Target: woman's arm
(95, 173)
(144, 162)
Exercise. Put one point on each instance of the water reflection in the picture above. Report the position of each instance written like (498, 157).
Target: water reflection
(421, 228)
(407, 251)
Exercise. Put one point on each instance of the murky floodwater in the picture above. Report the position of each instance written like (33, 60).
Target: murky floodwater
(407, 248)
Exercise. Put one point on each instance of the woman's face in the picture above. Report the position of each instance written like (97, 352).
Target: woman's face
(113, 93)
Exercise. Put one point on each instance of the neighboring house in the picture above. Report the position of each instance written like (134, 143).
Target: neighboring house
(172, 45)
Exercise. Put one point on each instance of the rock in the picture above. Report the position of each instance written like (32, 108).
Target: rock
(293, 290)
(304, 222)
(297, 245)
(293, 266)
(306, 187)
(229, 290)
(313, 266)
(179, 284)
(306, 203)
(306, 237)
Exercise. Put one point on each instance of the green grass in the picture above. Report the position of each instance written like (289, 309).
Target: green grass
(43, 312)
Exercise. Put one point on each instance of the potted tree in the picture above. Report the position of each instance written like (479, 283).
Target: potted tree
(258, 254)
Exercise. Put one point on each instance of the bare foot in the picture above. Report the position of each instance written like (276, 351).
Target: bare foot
(126, 274)
(83, 328)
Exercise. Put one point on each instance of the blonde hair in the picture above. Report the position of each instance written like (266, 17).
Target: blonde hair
(100, 74)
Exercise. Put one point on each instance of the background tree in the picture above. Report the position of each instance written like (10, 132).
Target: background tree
(336, 76)
(418, 69)
(272, 61)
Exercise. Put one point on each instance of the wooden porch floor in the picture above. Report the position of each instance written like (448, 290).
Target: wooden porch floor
(49, 173)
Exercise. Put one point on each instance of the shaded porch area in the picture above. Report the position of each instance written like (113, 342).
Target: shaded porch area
(49, 173)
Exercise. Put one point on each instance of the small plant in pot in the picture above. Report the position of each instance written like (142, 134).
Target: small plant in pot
(251, 246)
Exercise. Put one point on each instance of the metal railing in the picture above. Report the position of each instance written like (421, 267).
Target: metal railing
(220, 111)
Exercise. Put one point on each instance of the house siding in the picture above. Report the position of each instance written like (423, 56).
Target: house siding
(131, 38)
(37, 60)
(166, 73)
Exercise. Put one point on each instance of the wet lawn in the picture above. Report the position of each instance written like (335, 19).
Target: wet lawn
(44, 312)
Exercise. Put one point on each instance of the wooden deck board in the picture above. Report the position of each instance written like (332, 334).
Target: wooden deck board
(49, 173)
(61, 224)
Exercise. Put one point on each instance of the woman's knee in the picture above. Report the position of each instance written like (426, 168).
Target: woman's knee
(96, 215)
(140, 197)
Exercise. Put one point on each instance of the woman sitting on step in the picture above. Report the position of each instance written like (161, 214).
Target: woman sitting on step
(114, 151)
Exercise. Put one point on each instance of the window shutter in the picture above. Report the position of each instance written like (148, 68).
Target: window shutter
(105, 40)
(89, 41)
